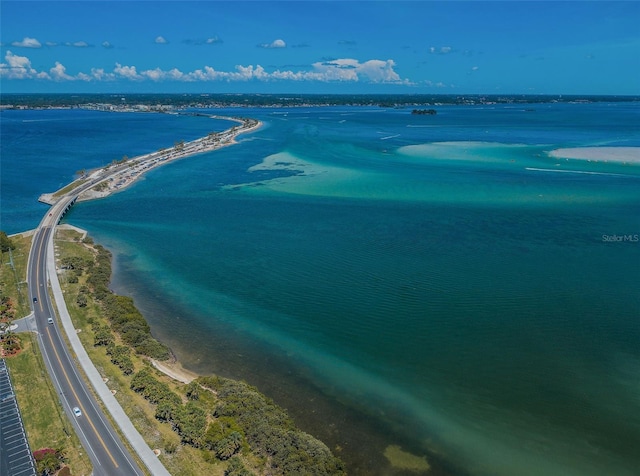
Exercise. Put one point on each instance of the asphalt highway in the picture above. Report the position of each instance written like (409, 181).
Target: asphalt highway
(103, 445)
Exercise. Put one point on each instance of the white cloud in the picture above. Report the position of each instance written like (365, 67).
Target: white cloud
(99, 74)
(160, 75)
(59, 73)
(17, 62)
(16, 67)
(83, 77)
(27, 43)
(442, 50)
(175, 74)
(376, 71)
(161, 41)
(107, 45)
(379, 71)
(154, 75)
(50, 43)
(338, 70)
(128, 72)
(77, 44)
(274, 44)
(214, 40)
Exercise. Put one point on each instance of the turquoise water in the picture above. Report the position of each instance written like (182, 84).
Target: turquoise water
(394, 279)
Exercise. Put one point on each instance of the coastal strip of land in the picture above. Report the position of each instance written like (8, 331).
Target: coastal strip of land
(121, 174)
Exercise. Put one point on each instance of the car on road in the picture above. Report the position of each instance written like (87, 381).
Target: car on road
(50, 320)
(35, 299)
(77, 412)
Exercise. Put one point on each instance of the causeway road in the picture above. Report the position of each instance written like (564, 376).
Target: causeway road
(107, 452)
(103, 444)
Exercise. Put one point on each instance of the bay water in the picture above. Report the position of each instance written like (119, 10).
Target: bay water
(438, 283)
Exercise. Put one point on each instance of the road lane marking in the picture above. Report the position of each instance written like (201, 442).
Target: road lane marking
(47, 234)
(59, 386)
(43, 240)
(79, 402)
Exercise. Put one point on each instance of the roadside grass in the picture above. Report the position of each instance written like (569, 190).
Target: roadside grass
(14, 279)
(44, 419)
(45, 422)
(68, 188)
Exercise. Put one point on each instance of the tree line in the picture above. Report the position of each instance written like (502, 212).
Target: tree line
(121, 312)
(235, 418)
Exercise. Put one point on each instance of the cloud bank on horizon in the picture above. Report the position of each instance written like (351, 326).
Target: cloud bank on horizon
(346, 69)
(314, 46)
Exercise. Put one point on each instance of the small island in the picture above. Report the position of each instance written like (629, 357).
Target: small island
(423, 112)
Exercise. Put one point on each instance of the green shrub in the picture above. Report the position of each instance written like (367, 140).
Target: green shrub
(236, 468)
(121, 312)
(269, 431)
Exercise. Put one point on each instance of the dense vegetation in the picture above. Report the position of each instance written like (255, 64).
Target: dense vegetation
(269, 430)
(9, 343)
(50, 460)
(286, 100)
(234, 417)
(7, 310)
(6, 243)
(124, 317)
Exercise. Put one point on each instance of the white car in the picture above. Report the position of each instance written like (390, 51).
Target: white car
(50, 320)
(77, 412)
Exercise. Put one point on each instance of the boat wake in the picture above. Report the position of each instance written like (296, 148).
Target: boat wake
(587, 172)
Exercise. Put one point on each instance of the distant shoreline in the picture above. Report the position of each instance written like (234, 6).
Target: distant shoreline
(167, 102)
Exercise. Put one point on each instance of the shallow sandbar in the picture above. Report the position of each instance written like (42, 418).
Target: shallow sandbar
(600, 154)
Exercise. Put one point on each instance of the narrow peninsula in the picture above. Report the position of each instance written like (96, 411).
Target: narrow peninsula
(120, 174)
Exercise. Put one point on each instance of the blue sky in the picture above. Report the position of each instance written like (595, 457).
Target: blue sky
(455, 47)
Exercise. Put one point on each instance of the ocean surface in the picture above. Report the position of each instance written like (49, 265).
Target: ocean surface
(438, 283)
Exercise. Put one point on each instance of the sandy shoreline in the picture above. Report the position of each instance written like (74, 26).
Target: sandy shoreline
(175, 371)
(623, 155)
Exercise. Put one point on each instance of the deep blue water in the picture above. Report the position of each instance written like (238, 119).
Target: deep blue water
(433, 282)
(41, 151)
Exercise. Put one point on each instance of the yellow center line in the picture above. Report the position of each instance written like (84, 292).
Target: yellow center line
(80, 403)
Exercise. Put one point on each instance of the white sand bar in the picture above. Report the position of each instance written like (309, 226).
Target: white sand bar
(630, 155)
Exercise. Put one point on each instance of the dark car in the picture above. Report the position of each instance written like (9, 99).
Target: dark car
(35, 299)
